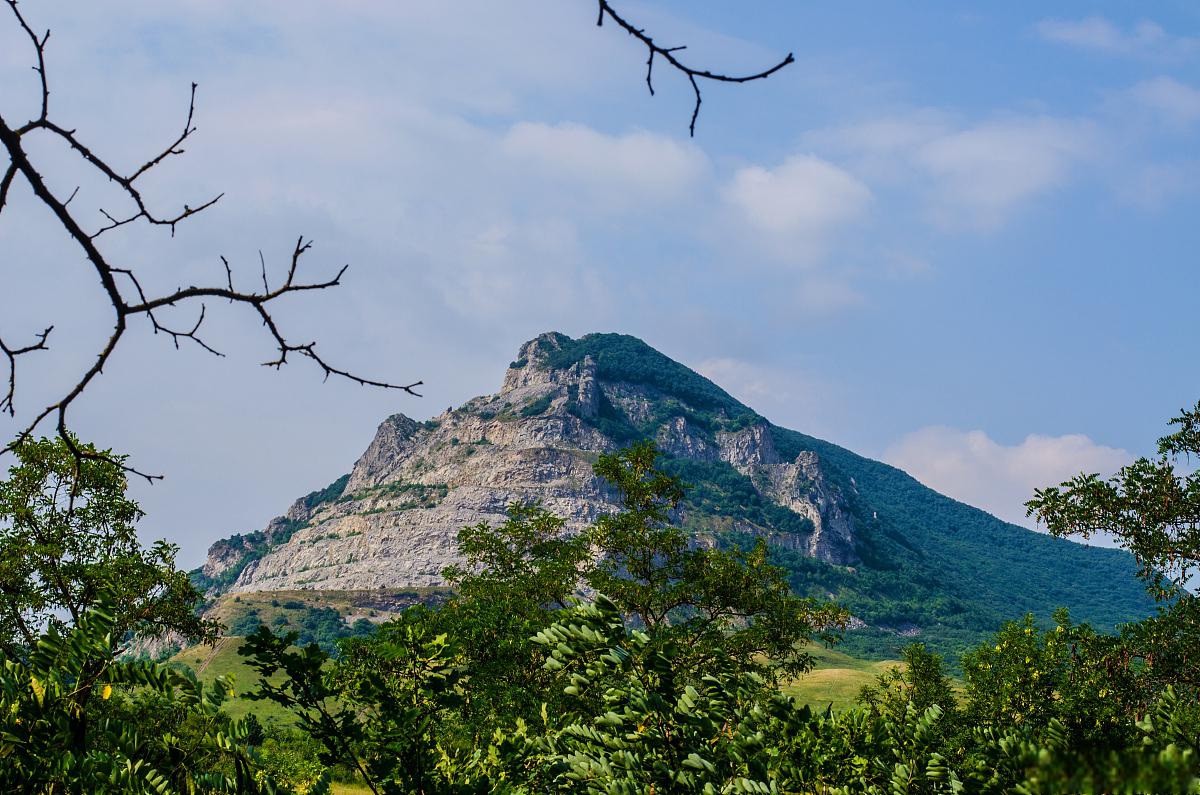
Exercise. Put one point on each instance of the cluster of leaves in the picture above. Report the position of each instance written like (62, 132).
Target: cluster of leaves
(66, 527)
(74, 718)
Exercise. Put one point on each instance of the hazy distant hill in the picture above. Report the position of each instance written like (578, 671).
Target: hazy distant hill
(909, 562)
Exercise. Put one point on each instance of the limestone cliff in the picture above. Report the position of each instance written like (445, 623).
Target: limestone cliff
(392, 522)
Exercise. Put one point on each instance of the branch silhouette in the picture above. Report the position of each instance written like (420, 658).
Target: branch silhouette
(693, 74)
(120, 283)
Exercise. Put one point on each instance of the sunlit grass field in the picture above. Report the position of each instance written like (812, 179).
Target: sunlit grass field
(209, 662)
(836, 679)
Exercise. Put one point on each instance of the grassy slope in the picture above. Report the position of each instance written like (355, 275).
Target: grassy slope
(836, 679)
(209, 662)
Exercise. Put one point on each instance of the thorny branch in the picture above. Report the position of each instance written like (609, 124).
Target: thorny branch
(668, 54)
(133, 300)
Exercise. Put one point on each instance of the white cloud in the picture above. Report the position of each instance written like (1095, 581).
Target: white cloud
(796, 206)
(974, 175)
(631, 167)
(1174, 102)
(984, 172)
(1101, 35)
(972, 467)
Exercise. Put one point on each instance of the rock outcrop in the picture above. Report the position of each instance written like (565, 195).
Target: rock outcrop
(393, 524)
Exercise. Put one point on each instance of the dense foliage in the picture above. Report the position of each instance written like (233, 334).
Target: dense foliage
(664, 679)
(66, 530)
(74, 719)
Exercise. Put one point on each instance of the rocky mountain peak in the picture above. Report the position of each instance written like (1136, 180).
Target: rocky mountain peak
(392, 521)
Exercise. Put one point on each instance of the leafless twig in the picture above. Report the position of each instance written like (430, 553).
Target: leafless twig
(120, 284)
(668, 54)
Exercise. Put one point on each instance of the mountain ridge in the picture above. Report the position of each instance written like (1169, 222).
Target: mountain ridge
(906, 560)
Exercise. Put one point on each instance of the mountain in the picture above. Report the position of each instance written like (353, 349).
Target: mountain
(908, 562)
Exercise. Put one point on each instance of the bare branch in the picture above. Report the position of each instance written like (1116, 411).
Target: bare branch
(39, 47)
(117, 280)
(668, 54)
(5, 183)
(6, 404)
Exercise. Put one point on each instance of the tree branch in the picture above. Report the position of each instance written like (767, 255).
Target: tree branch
(7, 404)
(113, 276)
(668, 54)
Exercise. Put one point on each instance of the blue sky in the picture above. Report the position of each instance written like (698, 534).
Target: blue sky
(959, 238)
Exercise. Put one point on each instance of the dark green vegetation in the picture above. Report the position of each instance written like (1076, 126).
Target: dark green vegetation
(674, 679)
(66, 526)
(929, 563)
(716, 489)
(622, 358)
(322, 626)
(950, 569)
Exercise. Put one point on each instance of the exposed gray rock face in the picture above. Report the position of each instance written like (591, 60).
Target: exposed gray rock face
(224, 555)
(799, 486)
(394, 439)
(680, 438)
(395, 523)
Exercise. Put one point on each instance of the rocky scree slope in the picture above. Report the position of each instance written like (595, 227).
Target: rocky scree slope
(906, 560)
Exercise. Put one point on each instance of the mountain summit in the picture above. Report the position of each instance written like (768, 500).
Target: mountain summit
(906, 560)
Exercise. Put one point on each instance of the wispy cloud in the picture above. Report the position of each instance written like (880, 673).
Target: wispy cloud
(975, 175)
(1096, 33)
(1176, 103)
(628, 168)
(983, 173)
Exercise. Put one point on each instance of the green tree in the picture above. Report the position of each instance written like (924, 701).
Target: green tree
(513, 578)
(1151, 507)
(716, 603)
(920, 681)
(66, 535)
(60, 731)
(1067, 675)
(380, 709)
